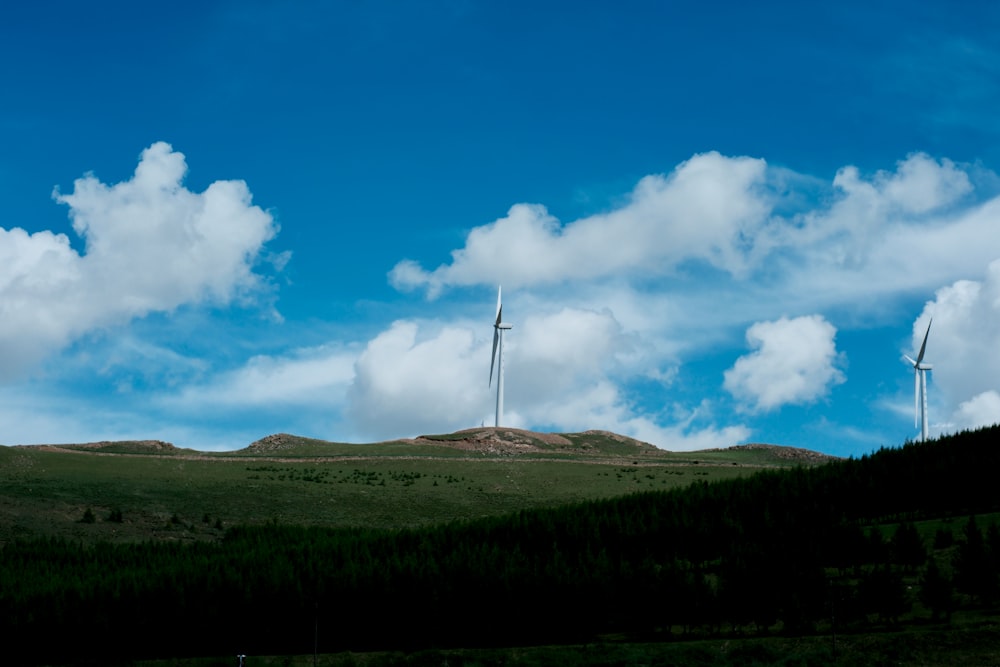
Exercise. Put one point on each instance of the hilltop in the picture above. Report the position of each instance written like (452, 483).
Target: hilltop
(482, 442)
(512, 442)
(792, 454)
(120, 447)
(150, 489)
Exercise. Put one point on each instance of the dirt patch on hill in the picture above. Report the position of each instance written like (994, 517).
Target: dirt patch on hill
(624, 439)
(272, 444)
(116, 447)
(792, 454)
(516, 435)
(498, 441)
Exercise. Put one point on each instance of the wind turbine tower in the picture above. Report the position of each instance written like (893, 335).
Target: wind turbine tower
(920, 385)
(499, 326)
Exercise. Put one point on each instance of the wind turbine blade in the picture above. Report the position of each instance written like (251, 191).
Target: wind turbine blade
(913, 362)
(499, 307)
(916, 397)
(923, 346)
(493, 359)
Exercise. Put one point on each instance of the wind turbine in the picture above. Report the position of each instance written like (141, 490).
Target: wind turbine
(498, 328)
(920, 385)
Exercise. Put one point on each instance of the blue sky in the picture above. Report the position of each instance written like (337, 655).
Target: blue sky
(714, 223)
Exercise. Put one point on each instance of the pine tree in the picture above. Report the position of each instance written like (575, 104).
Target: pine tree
(973, 573)
(907, 548)
(937, 591)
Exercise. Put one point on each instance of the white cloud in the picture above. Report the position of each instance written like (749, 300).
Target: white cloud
(794, 362)
(407, 384)
(980, 410)
(895, 231)
(919, 185)
(962, 346)
(564, 372)
(680, 440)
(562, 351)
(434, 377)
(705, 209)
(690, 258)
(150, 245)
(737, 229)
(693, 257)
(602, 406)
(430, 377)
(599, 305)
(313, 379)
(35, 414)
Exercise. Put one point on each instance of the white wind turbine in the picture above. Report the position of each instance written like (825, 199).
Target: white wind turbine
(499, 326)
(920, 385)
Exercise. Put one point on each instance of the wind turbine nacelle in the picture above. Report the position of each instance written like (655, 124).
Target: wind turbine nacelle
(924, 367)
(504, 325)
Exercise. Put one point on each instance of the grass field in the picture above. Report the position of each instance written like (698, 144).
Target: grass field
(161, 492)
(970, 645)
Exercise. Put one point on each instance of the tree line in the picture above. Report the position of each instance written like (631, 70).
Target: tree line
(789, 550)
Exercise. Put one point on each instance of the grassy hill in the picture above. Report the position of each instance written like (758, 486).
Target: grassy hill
(153, 490)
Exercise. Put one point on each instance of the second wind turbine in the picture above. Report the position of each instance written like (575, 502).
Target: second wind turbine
(499, 326)
(920, 385)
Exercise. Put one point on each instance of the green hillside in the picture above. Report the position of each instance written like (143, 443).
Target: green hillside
(154, 490)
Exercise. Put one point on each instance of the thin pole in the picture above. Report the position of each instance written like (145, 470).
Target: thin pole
(499, 415)
(923, 406)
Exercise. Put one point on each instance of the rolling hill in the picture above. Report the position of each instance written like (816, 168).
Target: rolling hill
(156, 490)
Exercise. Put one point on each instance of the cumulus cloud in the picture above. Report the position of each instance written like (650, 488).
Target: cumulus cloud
(602, 406)
(705, 209)
(563, 350)
(892, 231)
(690, 257)
(686, 261)
(407, 382)
(794, 362)
(151, 245)
(962, 347)
(734, 222)
(313, 378)
(919, 185)
(428, 376)
(980, 410)
(564, 370)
